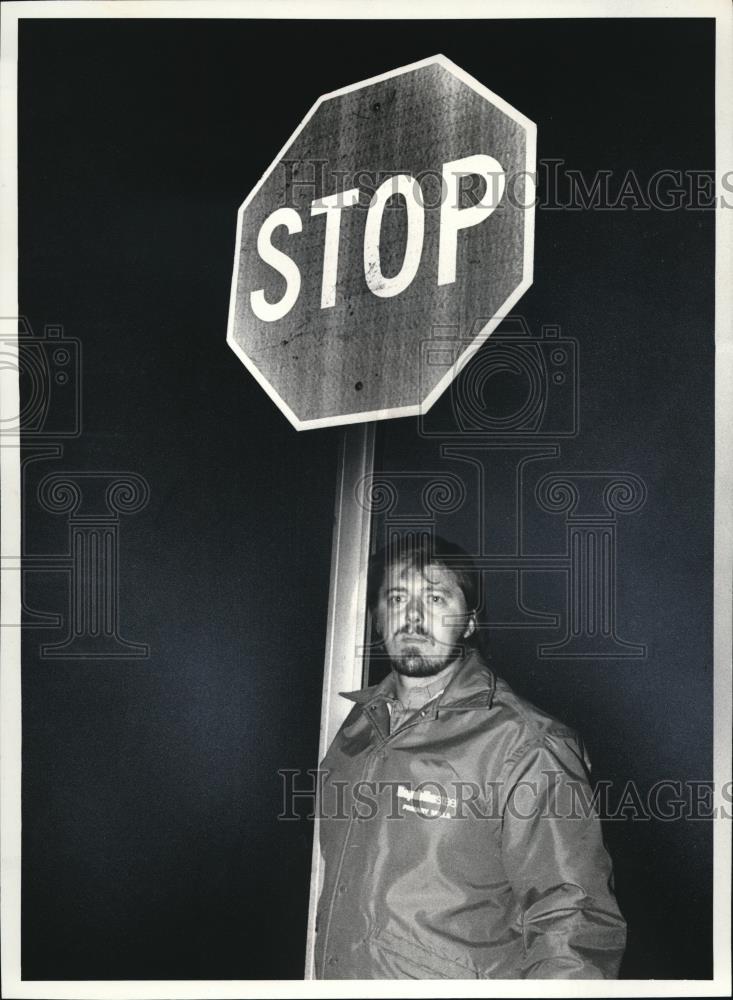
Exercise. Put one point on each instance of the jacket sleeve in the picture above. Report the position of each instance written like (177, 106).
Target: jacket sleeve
(560, 872)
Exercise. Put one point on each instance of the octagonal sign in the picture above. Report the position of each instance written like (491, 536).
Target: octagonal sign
(402, 205)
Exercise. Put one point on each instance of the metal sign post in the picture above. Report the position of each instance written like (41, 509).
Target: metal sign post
(343, 666)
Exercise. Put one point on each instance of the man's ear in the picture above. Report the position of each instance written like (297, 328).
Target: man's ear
(470, 627)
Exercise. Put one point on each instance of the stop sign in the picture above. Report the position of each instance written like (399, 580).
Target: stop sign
(402, 205)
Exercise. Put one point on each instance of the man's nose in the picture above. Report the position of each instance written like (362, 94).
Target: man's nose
(414, 610)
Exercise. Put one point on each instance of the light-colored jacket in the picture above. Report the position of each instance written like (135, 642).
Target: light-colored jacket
(463, 845)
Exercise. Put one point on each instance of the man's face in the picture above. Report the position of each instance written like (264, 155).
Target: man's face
(422, 617)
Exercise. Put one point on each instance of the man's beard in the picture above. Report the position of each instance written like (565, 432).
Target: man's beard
(412, 663)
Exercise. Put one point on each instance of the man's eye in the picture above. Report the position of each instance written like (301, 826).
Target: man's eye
(437, 599)
(395, 599)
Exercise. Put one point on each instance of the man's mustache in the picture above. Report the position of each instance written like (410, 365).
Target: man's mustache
(410, 630)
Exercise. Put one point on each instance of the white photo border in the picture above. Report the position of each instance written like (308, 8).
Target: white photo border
(10, 689)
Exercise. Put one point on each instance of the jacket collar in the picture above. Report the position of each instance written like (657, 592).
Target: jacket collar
(472, 686)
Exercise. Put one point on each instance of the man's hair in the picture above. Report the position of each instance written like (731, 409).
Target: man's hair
(420, 552)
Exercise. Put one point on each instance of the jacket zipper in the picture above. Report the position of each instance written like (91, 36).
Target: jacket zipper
(373, 755)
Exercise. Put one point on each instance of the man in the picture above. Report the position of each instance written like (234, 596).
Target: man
(457, 829)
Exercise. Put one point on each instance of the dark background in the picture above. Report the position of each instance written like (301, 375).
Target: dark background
(151, 847)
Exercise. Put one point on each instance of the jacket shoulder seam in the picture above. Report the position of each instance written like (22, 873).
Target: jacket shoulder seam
(540, 740)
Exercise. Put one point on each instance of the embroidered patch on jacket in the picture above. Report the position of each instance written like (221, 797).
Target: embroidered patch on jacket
(428, 803)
